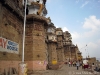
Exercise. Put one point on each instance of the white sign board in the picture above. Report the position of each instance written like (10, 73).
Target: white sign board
(8, 46)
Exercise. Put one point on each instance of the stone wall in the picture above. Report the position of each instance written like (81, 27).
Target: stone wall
(35, 46)
(60, 49)
(92, 60)
(67, 53)
(10, 29)
(73, 53)
(52, 53)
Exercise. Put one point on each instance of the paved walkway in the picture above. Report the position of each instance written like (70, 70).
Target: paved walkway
(65, 70)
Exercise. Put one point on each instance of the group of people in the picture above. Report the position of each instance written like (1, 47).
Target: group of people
(72, 63)
(75, 64)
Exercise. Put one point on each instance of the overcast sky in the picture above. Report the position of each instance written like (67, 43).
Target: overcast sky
(82, 19)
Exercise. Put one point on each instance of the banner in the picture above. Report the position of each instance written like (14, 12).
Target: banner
(8, 46)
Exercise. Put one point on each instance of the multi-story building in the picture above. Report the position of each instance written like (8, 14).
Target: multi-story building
(11, 33)
(71, 51)
(44, 43)
(60, 49)
(52, 45)
(67, 42)
(11, 29)
(35, 45)
(79, 54)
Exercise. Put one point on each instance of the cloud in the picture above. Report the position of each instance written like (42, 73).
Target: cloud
(92, 45)
(56, 26)
(91, 27)
(98, 41)
(75, 35)
(65, 29)
(92, 24)
(90, 36)
(91, 49)
(86, 2)
(81, 45)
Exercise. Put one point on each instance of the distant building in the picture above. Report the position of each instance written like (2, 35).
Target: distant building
(79, 54)
(91, 60)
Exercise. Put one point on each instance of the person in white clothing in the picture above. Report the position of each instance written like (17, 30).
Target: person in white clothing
(93, 67)
(69, 63)
(77, 65)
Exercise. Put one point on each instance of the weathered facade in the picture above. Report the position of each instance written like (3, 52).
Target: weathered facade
(11, 28)
(67, 42)
(52, 45)
(44, 43)
(78, 54)
(35, 45)
(91, 60)
(73, 53)
(60, 49)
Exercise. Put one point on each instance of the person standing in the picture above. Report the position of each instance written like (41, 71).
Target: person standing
(77, 65)
(69, 63)
(93, 67)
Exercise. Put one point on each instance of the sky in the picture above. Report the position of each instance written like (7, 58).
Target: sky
(82, 19)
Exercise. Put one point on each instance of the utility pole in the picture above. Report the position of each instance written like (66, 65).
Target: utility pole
(23, 65)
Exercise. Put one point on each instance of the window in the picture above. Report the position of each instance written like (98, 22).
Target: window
(59, 33)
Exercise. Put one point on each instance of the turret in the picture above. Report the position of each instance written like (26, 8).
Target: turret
(59, 31)
(60, 49)
(67, 38)
(52, 45)
(37, 7)
(51, 33)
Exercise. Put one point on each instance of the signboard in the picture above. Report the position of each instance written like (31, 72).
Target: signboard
(8, 46)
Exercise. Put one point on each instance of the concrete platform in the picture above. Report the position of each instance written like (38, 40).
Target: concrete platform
(65, 70)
